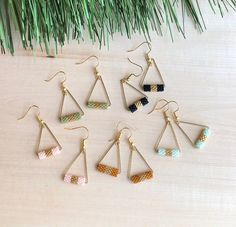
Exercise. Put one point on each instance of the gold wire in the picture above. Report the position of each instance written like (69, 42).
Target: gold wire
(82, 151)
(146, 71)
(148, 44)
(132, 149)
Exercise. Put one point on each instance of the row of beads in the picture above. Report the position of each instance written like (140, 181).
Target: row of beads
(98, 105)
(153, 87)
(173, 152)
(201, 140)
(108, 170)
(70, 117)
(138, 104)
(73, 179)
(53, 151)
(141, 177)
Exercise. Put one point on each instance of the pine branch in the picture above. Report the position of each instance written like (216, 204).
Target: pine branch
(40, 22)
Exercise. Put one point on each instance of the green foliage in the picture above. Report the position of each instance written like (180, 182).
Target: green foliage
(44, 21)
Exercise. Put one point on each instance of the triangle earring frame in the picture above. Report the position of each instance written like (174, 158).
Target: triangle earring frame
(137, 178)
(171, 152)
(159, 87)
(109, 170)
(52, 151)
(72, 116)
(94, 104)
(138, 103)
(78, 179)
(203, 135)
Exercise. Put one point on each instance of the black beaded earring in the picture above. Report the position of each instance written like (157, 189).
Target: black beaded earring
(138, 103)
(156, 87)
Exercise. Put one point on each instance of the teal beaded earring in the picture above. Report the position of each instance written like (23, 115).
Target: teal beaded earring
(172, 152)
(200, 141)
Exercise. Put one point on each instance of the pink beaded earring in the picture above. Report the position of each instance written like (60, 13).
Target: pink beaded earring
(78, 179)
(53, 150)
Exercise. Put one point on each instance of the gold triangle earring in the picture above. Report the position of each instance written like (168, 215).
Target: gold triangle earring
(205, 133)
(138, 103)
(74, 178)
(162, 151)
(75, 116)
(142, 176)
(92, 103)
(106, 169)
(150, 63)
(52, 151)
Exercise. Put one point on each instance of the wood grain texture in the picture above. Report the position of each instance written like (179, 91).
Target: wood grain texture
(196, 189)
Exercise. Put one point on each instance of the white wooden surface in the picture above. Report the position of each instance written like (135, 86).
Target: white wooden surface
(196, 189)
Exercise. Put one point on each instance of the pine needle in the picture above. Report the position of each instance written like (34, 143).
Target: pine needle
(41, 22)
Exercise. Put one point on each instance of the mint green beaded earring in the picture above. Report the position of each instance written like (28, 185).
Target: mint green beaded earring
(166, 151)
(200, 141)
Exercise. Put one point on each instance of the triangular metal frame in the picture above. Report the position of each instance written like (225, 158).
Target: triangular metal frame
(152, 87)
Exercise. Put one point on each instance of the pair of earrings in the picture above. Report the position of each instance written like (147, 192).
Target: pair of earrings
(199, 142)
(114, 171)
(56, 150)
(75, 116)
(133, 107)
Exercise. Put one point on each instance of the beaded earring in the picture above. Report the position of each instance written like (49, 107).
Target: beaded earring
(140, 102)
(78, 179)
(45, 153)
(200, 141)
(160, 86)
(172, 152)
(65, 118)
(106, 169)
(92, 103)
(142, 176)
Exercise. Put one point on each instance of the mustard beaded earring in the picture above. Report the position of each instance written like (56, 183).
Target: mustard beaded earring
(45, 153)
(160, 86)
(200, 141)
(98, 78)
(173, 152)
(132, 107)
(65, 118)
(142, 176)
(104, 168)
(74, 178)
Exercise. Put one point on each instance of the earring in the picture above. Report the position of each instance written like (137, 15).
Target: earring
(203, 136)
(96, 104)
(103, 168)
(174, 152)
(65, 92)
(150, 63)
(139, 103)
(137, 178)
(52, 151)
(77, 179)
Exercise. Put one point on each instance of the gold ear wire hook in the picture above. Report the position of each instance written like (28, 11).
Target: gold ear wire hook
(148, 44)
(33, 106)
(155, 107)
(79, 127)
(48, 80)
(92, 56)
(133, 74)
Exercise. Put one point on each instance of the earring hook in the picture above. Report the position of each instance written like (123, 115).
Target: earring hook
(133, 74)
(92, 56)
(155, 107)
(173, 101)
(79, 127)
(148, 44)
(33, 106)
(56, 75)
